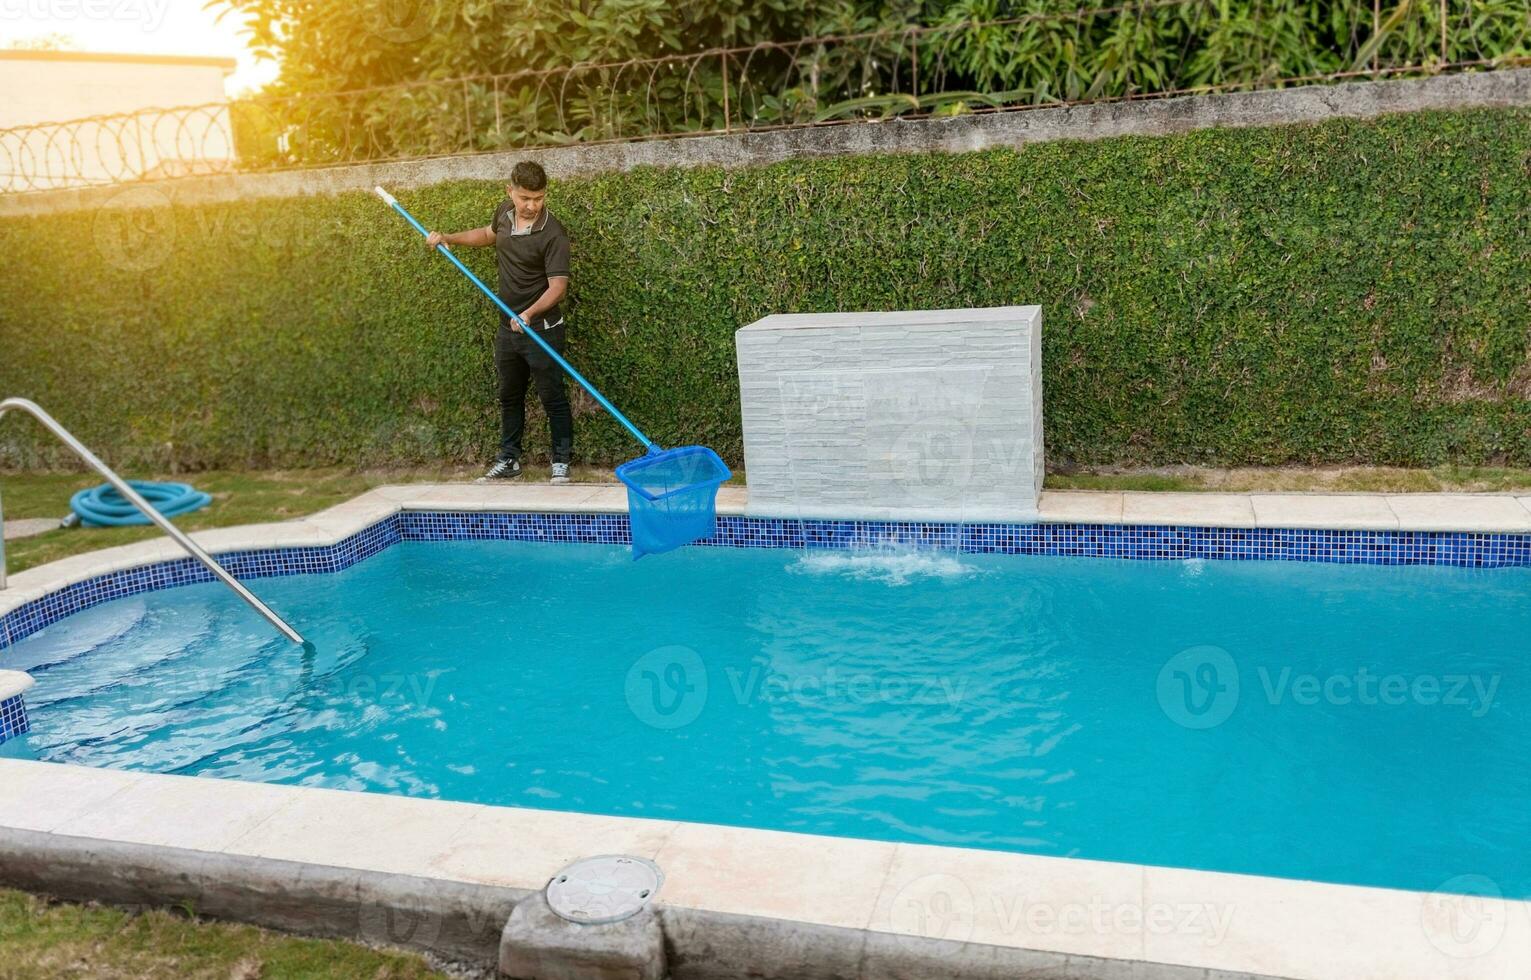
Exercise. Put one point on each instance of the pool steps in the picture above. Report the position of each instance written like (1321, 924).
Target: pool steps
(126, 490)
(13, 707)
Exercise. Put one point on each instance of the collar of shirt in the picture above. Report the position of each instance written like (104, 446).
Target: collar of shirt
(538, 225)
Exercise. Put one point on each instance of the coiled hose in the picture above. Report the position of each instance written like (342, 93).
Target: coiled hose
(103, 506)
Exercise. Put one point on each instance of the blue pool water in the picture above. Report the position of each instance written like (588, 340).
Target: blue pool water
(1341, 723)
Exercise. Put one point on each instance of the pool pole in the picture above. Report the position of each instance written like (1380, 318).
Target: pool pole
(526, 328)
(133, 497)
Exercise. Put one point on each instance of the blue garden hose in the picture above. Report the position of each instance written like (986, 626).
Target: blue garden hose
(103, 506)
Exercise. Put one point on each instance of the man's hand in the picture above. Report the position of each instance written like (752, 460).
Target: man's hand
(515, 324)
(472, 238)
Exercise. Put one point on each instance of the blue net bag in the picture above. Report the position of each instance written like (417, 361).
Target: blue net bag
(672, 497)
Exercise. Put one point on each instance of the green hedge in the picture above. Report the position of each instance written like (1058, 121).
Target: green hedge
(1352, 291)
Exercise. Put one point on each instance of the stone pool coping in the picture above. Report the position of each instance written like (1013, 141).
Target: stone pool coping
(1237, 925)
(14, 683)
(1429, 512)
(1066, 908)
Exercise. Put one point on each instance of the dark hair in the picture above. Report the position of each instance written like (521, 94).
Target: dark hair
(528, 176)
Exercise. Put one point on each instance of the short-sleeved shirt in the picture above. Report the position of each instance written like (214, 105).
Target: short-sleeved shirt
(528, 260)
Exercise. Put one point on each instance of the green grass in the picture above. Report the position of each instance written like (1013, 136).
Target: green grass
(1342, 479)
(238, 498)
(44, 940)
(1121, 481)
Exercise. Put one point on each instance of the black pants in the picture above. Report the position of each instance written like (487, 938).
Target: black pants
(519, 361)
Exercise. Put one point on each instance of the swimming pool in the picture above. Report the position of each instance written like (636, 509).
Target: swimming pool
(1344, 723)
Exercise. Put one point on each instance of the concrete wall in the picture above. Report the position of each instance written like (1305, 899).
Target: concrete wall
(959, 134)
(919, 415)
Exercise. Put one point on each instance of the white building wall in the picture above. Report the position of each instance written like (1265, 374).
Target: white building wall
(38, 87)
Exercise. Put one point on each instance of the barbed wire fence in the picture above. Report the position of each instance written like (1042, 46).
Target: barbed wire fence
(1038, 60)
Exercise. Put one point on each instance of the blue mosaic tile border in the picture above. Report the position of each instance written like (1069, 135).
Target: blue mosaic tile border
(1461, 549)
(1139, 542)
(13, 717)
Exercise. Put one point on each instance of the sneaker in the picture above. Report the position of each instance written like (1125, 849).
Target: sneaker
(560, 473)
(503, 469)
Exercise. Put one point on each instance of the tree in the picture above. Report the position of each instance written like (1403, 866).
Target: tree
(447, 76)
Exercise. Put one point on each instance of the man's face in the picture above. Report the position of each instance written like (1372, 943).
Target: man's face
(528, 204)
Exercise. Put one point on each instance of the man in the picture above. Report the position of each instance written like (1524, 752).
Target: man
(532, 252)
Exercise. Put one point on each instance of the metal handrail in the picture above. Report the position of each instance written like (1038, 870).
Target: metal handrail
(144, 507)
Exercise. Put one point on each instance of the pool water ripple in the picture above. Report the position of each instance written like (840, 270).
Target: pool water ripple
(1234, 716)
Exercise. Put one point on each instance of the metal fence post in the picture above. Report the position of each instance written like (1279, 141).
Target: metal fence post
(2, 545)
(724, 58)
(1443, 32)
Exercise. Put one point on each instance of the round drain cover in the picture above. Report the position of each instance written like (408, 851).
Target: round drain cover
(608, 888)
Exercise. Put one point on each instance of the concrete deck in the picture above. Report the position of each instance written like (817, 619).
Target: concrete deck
(1242, 924)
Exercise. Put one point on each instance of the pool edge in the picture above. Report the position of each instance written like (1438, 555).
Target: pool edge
(847, 904)
(368, 524)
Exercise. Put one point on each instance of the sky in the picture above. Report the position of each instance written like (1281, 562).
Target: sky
(136, 27)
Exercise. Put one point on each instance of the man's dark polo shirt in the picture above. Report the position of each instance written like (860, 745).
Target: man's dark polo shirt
(526, 261)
